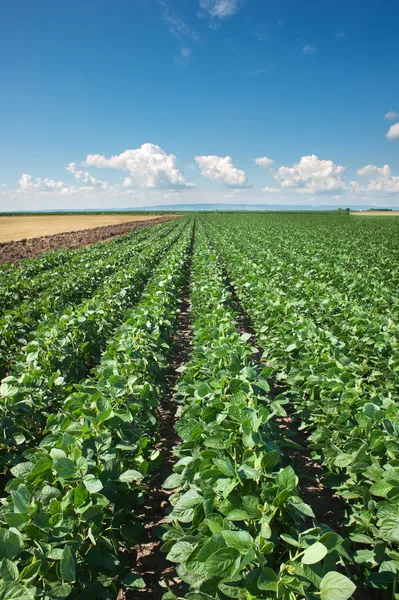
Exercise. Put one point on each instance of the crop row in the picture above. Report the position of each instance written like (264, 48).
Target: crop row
(65, 349)
(78, 281)
(70, 514)
(340, 366)
(238, 526)
(30, 278)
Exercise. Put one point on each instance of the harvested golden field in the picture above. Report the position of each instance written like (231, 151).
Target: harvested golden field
(19, 228)
(376, 213)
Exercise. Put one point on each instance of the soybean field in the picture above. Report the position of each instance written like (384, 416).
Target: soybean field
(204, 409)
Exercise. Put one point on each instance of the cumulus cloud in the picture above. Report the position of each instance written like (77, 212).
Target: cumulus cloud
(370, 170)
(393, 133)
(221, 9)
(149, 166)
(391, 115)
(222, 170)
(271, 190)
(84, 176)
(309, 49)
(311, 175)
(27, 183)
(380, 180)
(264, 162)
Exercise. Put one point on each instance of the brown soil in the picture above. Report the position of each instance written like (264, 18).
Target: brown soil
(28, 248)
(148, 559)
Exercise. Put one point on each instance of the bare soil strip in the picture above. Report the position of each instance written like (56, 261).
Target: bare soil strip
(28, 248)
(148, 559)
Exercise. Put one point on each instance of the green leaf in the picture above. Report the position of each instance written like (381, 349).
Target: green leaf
(68, 565)
(31, 570)
(290, 540)
(10, 544)
(41, 466)
(225, 562)
(65, 467)
(335, 586)
(241, 540)
(134, 582)
(92, 484)
(180, 552)
(172, 482)
(80, 495)
(21, 499)
(286, 479)
(15, 591)
(60, 591)
(184, 508)
(131, 475)
(8, 570)
(247, 472)
(381, 488)
(314, 554)
(267, 580)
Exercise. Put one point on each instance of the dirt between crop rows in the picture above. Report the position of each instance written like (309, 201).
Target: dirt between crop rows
(29, 248)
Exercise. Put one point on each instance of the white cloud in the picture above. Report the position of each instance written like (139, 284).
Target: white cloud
(393, 133)
(84, 176)
(222, 170)
(221, 8)
(391, 115)
(271, 190)
(264, 162)
(27, 183)
(370, 170)
(311, 175)
(309, 49)
(149, 166)
(380, 180)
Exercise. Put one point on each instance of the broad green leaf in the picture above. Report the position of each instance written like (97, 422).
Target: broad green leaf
(225, 562)
(267, 580)
(15, 591)
(241, 540)
(8, 570)
(68, 565)
(183, 510)
(21, 499)
(180, 552)
(92, 484)
(314, 554)
(64, 467)
(335, 586)
(10, 544)
(287, 479)
(131, 475)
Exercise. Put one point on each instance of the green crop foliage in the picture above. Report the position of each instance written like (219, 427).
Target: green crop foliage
(86, 346)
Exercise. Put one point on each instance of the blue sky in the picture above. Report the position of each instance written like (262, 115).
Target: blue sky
(139, 102)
